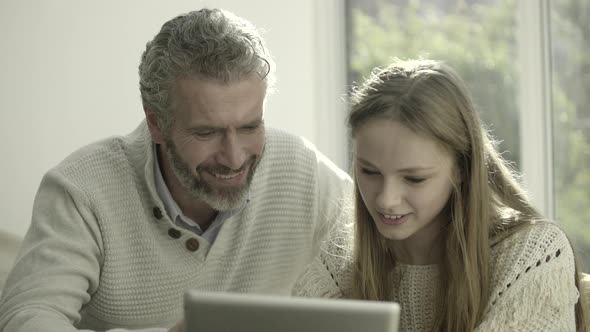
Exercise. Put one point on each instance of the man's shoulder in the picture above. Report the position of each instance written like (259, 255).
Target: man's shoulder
(105, 153)
(282, 140)
(299, 153)
(289, 151)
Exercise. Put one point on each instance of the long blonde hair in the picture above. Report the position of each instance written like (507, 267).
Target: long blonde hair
(487, 204)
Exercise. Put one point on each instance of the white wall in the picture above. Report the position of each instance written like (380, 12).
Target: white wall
(68, 76)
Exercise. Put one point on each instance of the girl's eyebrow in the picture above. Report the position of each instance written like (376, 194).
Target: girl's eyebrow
(413, 169)
(365, 162)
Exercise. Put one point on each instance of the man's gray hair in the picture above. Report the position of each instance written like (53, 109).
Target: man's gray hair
(207, 44)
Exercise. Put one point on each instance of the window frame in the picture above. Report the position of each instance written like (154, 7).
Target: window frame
(330, 72)
(535, 103)
(535, 92)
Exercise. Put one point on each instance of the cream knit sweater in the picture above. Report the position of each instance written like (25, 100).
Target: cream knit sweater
(532, 284)
(102, 254)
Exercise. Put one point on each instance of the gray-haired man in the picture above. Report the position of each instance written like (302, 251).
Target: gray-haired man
(201, 195)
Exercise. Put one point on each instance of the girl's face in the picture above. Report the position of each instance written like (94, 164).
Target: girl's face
(404, 179)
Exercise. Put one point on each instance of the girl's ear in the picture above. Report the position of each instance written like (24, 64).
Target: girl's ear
(457, 174)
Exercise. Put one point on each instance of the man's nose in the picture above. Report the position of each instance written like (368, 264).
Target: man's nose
(231, 153)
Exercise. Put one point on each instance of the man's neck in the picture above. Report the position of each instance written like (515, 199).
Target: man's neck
(197, 211)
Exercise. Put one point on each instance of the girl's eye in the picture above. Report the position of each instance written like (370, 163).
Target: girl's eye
(368, 171)
(415, 180)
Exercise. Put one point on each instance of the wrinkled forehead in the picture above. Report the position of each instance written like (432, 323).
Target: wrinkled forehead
(219, 103)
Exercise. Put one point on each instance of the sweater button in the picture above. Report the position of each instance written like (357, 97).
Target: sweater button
(157, 212)
(174, 233)
(192, 244)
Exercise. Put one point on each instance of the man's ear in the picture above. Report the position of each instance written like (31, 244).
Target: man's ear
(154, 126)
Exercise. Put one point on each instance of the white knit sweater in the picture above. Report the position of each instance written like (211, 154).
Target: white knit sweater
(532, 284)
(102, 254)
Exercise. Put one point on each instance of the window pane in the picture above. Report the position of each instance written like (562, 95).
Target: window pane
(570, 43)
(477, 38)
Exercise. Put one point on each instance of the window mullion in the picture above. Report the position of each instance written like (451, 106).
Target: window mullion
(330, 75)
(536, 140)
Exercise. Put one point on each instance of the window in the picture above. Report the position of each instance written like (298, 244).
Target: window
(497, 46)
(477, 38)
(570, 46)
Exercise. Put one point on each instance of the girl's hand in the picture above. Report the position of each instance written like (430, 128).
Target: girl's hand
(179, 327)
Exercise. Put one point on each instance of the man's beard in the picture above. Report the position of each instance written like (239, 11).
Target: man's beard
(220, 198)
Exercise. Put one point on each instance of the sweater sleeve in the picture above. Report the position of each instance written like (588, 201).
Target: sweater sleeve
(326, 276)
(535, 289)
(58, 267)
(329, 275)
(317, 281)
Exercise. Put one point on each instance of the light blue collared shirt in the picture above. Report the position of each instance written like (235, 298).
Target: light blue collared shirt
(175, 213)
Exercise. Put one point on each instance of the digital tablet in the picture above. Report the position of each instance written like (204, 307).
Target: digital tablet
(238, 312)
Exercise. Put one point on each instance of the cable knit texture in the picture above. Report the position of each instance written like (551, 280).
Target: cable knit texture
(532, 283)
(101, 253)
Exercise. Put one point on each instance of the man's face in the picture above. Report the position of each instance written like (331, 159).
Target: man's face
(216, 139)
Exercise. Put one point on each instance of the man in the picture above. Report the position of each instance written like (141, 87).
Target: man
(199, 196)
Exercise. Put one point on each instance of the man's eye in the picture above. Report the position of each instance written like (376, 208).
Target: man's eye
(248, 129)
(204, 133)
(415, 180)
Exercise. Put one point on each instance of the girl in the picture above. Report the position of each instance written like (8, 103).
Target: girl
(442, 225)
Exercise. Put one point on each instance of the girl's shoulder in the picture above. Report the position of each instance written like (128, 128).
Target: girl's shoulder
(531, 281)
(530, 243)
(530, 250)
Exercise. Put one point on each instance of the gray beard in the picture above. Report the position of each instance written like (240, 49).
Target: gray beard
(220, 199)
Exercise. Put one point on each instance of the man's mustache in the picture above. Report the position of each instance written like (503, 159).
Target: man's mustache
(224, 170)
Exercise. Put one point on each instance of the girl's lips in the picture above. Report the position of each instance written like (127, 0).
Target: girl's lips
(394, 219)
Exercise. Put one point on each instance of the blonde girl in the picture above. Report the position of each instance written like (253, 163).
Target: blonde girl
(442, 225)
